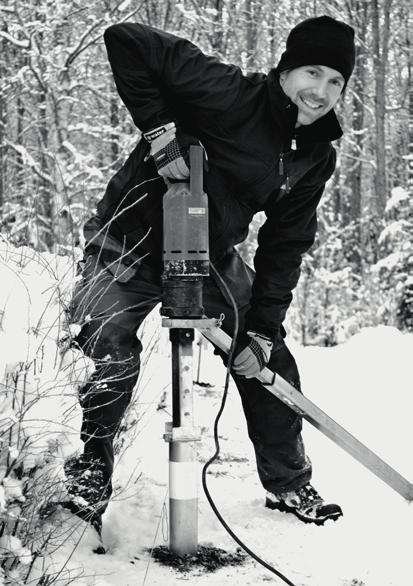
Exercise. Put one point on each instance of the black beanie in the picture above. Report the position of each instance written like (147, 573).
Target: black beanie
(320, 41)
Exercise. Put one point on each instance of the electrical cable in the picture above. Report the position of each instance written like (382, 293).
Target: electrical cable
(217, 446)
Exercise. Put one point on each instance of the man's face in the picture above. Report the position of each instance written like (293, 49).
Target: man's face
(315, 89)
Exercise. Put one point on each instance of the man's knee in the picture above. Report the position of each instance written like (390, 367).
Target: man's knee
(108, 341)
(104, 403)
(105, 397)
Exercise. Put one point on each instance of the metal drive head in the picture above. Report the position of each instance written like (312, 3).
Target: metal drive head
(185, 242)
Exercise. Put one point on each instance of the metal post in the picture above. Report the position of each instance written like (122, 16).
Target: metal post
(185, 263)
(183, 495)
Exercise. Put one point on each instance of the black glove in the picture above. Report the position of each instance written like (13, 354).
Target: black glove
(170, 150)
(253, 355)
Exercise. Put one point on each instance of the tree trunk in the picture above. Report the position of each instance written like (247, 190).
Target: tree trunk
(2, 126)
(381, 29)
(336, 198)
(251, 32)
(44, 227)
(217, 42)
(359, 84)
(360, 16)
(410, 152)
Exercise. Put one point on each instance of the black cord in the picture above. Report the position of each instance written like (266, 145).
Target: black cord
(217, 446)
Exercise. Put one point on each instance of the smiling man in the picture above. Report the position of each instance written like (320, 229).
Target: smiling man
(248, 124)
(314, 90)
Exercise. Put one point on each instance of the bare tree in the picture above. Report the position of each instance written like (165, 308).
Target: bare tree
(381, 31)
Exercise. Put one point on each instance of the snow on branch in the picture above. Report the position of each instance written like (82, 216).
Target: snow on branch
(16, 42)
(398, 195)
(28, 160)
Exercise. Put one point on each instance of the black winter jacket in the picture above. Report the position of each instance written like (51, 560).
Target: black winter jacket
(246, 124)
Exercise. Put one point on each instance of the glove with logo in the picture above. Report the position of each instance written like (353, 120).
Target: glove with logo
(254, 356)
(170, 150)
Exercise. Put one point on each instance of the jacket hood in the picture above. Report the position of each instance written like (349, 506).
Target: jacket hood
(285, 112)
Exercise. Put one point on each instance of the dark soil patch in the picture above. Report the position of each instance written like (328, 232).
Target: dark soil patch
(208, 558)
(202, 384)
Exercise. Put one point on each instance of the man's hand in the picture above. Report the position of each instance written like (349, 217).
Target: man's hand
(254, 356)
(170, 150)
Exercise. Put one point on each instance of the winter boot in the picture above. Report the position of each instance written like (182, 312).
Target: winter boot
(86, 483)
(61, 513)
(305, 503)
(88, 514)
(85, 495)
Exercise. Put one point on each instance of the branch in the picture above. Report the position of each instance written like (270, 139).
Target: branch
(83, 86)
(80, 46)
(130, 14)
(362, 160)
(28, 160)
(15, 42)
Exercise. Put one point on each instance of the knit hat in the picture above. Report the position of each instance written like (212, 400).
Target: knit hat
(320, 41)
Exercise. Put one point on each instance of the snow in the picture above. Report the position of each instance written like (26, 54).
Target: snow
(390, 262)
(363, 383)
(394, 231)
(398, 195)
(370, 543)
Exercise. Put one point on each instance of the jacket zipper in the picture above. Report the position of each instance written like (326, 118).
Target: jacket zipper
(281, 164)
(281, 173)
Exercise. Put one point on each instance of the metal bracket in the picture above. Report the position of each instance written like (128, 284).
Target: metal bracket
(181, 434)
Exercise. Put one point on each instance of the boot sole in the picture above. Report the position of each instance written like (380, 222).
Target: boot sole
(51, 509)
(286, 509)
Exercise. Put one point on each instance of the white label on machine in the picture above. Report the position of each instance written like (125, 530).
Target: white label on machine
(183, 480)
(196, 211)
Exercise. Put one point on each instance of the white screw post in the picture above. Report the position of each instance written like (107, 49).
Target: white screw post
(183, 490)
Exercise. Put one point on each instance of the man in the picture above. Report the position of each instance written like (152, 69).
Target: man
(177, 96)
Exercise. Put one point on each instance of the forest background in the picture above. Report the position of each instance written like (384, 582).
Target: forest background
(64, 132)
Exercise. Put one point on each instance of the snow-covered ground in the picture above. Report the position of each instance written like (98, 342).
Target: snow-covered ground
(364, 383)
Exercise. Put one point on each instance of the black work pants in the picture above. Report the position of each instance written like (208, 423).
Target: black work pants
(112, 312)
